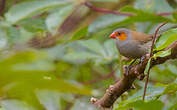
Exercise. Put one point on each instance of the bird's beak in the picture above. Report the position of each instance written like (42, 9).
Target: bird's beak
(113, 36)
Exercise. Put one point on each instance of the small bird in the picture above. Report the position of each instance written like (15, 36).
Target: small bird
(132, 44)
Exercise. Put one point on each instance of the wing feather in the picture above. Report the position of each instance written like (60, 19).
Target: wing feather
(141, 37)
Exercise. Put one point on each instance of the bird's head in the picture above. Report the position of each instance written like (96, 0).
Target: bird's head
(121, 34)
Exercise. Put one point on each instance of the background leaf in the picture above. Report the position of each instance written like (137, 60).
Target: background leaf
(24, 10)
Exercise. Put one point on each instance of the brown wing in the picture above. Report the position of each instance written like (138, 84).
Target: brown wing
(141, 37)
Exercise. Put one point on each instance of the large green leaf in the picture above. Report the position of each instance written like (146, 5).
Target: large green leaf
(92, 45)
(153, 5)
(162, 53)
(166, 39)
(94, 51)
(147, 105)
(26, 9)
(104, 21)
(25, 72)
(151, 93)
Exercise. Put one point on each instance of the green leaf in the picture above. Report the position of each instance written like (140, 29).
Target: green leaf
(92, 45)
(34, 25)
(129, 9)
(23, 73)
(153, 6)
(79, 56)
(166, 39)
(147, 66)
(170, 89)
(13, 35)
(162, 53)
(27, 9)
(151, 94)
(140, 16)
(16, 105)
(103, 22)
(49, 99)
(92, 50)
(81, 33)
(147, 105)
(172, 68)
(56, 18)
(173, 107)
(110, 50)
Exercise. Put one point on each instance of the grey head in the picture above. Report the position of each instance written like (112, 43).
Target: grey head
(127, 32)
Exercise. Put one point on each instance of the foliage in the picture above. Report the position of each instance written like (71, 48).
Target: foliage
(78, 63)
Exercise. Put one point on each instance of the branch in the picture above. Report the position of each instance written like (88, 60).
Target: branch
(116, 90)
(101, 10)
(151, 54)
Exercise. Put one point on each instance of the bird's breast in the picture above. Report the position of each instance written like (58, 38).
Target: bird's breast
(131, 49)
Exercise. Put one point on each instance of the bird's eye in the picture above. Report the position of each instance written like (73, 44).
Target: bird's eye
(119, 33)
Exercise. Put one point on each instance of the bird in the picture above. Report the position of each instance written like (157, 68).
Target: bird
(132, 44)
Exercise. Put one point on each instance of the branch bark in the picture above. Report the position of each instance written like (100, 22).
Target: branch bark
(116, 90)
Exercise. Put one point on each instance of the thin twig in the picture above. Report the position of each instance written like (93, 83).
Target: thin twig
(101, 10)
(165, 13)
(151, 54)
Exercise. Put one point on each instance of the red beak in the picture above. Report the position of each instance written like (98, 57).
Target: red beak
(113, 36)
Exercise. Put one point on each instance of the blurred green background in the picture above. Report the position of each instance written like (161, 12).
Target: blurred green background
(56, 54)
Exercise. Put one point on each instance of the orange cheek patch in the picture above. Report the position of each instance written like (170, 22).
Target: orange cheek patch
(123, 37)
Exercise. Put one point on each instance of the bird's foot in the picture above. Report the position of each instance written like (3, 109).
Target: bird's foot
(141, 77)
(127, 69)
(144, 57)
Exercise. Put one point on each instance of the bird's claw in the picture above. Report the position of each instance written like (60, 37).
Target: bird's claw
(141, 77)
(127, 69)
